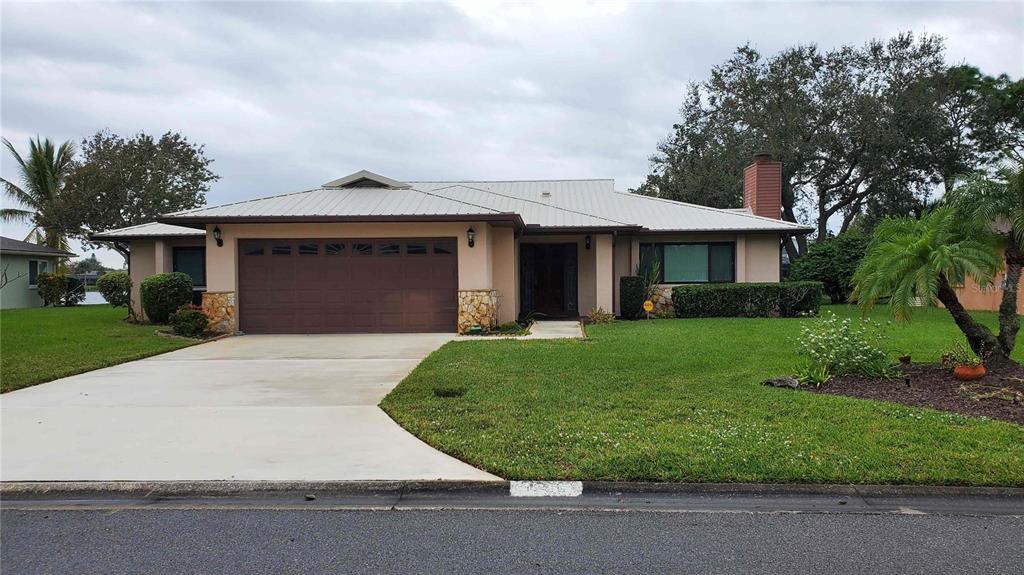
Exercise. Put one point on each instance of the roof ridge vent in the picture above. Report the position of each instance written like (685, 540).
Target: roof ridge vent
(367, 179)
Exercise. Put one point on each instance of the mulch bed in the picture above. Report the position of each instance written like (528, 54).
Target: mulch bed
(997, 395)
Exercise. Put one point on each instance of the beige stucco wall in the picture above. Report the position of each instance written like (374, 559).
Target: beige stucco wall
(505, 272)
(622, 265)
(475, 264)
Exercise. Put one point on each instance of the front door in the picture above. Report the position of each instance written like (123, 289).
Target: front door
(548, 282)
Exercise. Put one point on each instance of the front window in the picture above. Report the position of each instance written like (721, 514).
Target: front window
(192, 261)
(691, 262)
(36, 267)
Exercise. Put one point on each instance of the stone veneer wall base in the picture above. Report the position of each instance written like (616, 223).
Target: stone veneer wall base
(477, 308)
(220, 307)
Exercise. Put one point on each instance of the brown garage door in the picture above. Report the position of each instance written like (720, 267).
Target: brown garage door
(347, 285)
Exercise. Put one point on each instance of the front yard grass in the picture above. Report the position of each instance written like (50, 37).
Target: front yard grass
(43, 344)
(680, 400)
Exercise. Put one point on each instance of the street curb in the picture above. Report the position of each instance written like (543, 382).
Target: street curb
(44, 489)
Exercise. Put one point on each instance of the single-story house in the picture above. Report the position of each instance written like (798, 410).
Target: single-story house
(20, 266)
(367, 253)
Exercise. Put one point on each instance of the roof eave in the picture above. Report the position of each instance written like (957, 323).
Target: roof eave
(60, 254)
(200, 222)
(783, 231)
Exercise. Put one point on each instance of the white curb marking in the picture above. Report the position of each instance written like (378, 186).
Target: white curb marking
(545, 488)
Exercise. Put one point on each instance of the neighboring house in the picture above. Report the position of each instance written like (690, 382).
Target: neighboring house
(20, 266)
(366, 253)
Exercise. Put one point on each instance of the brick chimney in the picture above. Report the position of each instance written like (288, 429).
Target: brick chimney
(762, 187)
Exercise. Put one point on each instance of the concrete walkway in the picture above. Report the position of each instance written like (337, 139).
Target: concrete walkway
(546, 329)
(300, 407)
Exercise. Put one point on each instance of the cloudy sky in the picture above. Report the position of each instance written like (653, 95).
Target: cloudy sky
(286, 96)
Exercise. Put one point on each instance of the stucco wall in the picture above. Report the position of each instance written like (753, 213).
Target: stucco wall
(973, 296)
(17, 294)
(148, 257)
(505, 270)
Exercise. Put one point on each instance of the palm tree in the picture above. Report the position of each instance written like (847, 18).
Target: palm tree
(910, 260)
(1000, 202)
(43, 174)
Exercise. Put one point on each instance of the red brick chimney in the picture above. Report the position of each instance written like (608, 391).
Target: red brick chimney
(762, 187)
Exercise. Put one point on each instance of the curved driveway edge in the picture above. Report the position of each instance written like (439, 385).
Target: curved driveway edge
(265, 408)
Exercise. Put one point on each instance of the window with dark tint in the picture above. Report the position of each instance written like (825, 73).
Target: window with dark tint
(691, 263)
(444, 247)
(416, 248)
(192, 261)
(389, 249)
(36, 267)
(253, 251)
(309, 249)
(362, 249)
(334, 249)
(281, 250)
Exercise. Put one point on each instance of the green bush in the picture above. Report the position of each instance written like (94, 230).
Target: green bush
(832, 263)
(831, 346)
(116, 288)
(632, 292)
(59, 289)
(787, 299)
(189, 321)
(162, 294)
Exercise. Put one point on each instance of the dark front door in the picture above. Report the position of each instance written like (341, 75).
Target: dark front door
(548, 279)
(347, 285)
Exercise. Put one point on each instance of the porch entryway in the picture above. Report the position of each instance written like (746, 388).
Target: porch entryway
(548, 280)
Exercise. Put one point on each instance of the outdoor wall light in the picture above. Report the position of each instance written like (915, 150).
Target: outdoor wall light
(586, 241)
(216, 236)
(471, 237)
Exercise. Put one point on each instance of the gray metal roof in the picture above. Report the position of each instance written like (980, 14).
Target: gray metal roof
(17, 247)
(152, 229)
(540, 203)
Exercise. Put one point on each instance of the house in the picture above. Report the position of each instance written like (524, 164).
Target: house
(367, 253)
(20, 266)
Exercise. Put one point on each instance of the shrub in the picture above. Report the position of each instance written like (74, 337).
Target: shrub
(189, 321)
(832, 262)
(59, 289)
(599, 315)
(959, 354)
(116, 288)
(832, 347)
(631, 296)
(162, 294)
(787, 299)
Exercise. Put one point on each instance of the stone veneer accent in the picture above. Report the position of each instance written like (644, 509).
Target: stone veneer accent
(662, 300)
(220, 308)
(478, 307)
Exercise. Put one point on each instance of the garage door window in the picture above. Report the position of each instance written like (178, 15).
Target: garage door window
(309, 249)
(415, 249)
(333, 249)
(281, 250)
(251, 250)
(362, 249)
(390, 249)
(444, 247)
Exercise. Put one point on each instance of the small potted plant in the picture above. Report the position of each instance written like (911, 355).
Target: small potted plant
(966, 366)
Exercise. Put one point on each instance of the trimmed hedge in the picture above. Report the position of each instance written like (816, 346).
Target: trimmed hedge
(189, 321)
(116, 288)
(163, 294)
(631, 296)
(787, 299)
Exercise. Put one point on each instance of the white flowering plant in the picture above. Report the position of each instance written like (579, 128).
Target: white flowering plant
(831, 346)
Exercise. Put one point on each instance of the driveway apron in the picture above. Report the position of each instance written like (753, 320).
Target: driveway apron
(256, 407)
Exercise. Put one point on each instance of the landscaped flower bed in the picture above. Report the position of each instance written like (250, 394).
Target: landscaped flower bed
(997, 395)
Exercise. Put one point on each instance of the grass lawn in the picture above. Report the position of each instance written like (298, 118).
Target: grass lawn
(680, 400)
(43, 344)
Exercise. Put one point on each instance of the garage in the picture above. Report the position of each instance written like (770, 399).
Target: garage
(347, 285)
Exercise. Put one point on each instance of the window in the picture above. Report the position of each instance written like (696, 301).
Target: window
(36, 267)
(416, 249)
(192, 261)
(309, 249)
(389, 249)
(281, 250)
(253, 250)
(334, 249)
(362, 249)
(691, 263)
(444, 247)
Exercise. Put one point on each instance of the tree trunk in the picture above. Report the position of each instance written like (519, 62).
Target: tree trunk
(981, 340)
(1009, 322)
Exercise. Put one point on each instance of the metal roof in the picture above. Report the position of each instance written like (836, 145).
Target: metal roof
(152, 229)
(12, 246)
(539, 203)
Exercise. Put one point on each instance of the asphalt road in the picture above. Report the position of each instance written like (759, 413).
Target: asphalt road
(210, 538)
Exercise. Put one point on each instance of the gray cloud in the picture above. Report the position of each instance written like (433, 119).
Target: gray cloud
(287, 96)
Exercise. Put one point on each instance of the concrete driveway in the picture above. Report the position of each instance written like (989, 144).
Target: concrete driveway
(257, 407)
